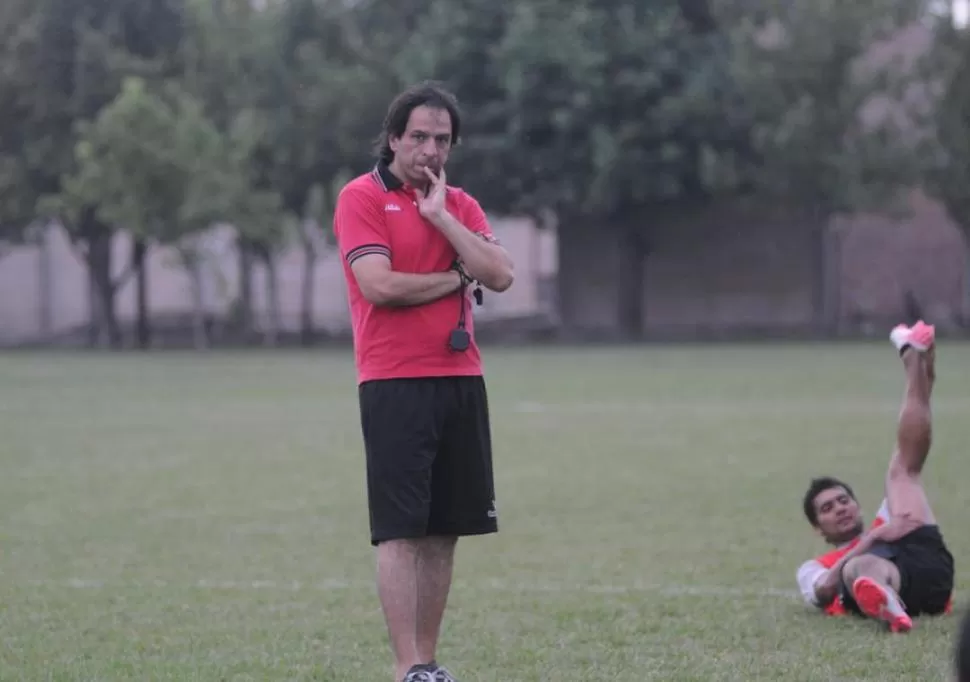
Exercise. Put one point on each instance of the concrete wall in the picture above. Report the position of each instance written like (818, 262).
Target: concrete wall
(22, 282)
(722, 268)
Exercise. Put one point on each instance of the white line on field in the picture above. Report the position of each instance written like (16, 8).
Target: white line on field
(488, 585)
(856, 407)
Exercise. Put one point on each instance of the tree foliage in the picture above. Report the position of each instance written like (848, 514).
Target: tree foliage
(946, 145)
(163, 117)
(822, 84)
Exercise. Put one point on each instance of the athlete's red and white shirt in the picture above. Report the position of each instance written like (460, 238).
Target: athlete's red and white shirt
(810, 572)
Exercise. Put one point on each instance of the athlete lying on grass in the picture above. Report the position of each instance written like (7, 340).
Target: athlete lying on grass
(899, 567)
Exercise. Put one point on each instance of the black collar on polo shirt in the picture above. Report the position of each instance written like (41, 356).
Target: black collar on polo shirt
(385, 178)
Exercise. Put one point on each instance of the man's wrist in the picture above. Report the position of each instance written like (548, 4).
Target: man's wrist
(463, 276)
(440, 220)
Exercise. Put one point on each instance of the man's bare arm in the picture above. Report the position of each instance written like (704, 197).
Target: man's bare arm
(383, 286)
(484, 261)
(827, 588)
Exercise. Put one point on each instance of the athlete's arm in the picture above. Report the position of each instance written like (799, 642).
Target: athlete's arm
(827, 585)
(381, 285)
(897, 527)
(808, 574)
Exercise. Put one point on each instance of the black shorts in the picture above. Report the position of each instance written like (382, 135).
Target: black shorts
(429, 457)
(925, 570)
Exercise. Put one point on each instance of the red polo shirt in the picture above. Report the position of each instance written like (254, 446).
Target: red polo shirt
(377, 213)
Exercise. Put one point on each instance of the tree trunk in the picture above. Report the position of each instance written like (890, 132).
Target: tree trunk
(567, 313)
(143, 331)
(631, 280)
(826, 281)
(307, 331)
(95, 322)
(271, 335)
(45, 275)
(200, 338)
(965, 312)
(245, 311)
(99, 267)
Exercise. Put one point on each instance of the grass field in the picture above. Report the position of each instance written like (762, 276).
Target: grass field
(202, 517)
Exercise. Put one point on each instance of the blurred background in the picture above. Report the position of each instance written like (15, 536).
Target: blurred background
(671, 169)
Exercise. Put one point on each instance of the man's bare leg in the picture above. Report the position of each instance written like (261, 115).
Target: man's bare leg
(873, 567)
(875, 582)
(905, 495)
(397, 587)
(436, 557)
(413, 582)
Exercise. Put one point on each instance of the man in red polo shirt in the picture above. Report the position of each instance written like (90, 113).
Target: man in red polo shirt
(414, 250)
(900, 567)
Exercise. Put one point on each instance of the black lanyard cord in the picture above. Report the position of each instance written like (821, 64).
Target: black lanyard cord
(459, 337)
(461, 300)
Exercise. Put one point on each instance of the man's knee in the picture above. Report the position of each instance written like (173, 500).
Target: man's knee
(442, 541)
(870, 566)
(436, 544)
(417, 544)
(403, 548)
(856, 567)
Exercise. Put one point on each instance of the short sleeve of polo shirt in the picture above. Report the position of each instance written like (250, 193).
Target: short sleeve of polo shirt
(809, 573)
(359, 226)
(474, 219)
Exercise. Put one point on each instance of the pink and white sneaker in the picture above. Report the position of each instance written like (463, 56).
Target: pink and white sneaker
(881, 603)
(920, 337)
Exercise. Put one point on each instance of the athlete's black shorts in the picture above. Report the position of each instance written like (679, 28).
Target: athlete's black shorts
(925, 571)
(429, 457)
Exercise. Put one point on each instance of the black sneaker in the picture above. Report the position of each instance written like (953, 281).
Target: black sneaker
(442, 675)
(421, 673)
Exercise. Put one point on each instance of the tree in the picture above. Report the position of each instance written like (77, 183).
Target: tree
(456, 42)
(570, 106)
(615, 105)
(18, 194)
(327, 104)
(153, 162)
(79, 55)
(946, 147)
(810, 76)
(228, 53)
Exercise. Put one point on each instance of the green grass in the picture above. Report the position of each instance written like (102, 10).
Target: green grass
(202, 517)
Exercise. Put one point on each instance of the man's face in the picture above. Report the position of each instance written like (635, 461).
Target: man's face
(425, 144)
(838, 516)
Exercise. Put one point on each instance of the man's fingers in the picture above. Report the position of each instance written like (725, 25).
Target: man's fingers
(438, 181)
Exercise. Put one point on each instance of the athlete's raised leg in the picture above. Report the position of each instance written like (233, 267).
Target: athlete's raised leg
(905, 495)
(875, 582)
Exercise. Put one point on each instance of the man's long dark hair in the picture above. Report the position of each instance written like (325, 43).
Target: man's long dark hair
(427, 93)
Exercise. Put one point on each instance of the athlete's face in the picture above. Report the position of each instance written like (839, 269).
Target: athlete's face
(839, 518)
